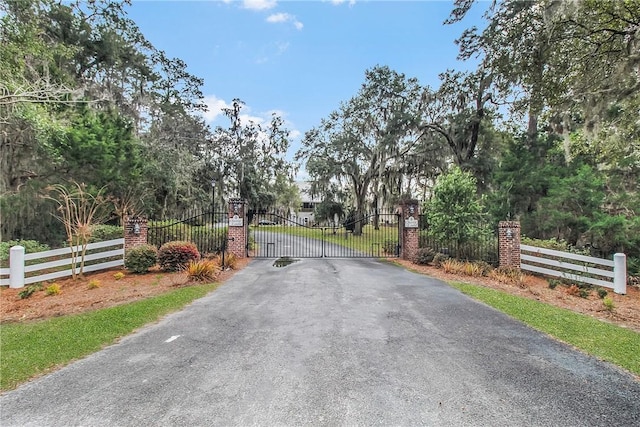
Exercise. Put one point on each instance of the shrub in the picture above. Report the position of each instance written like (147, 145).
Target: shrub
(452, 266)
(424, 256)
(119, 275)
(608, 304)
(472, 269)
(440, 258)
(53, 289)
(230, 261)
(602, 293)
(203, 270)
(103, 232)
(510, 276)
(93, 284)
(140, 259)
(175, 256)
(29, 290)
(553, 283)
(30, 246)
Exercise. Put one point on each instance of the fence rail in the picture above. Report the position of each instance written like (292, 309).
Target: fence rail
(562, 264)
(14, 276)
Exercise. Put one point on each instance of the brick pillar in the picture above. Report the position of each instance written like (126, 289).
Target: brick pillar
(238, 228)
(509, 244)
(135, 232)
(409, 232)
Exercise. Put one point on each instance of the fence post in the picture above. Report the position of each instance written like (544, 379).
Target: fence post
(135, 232)
(16, 267)
(408, 229)
(509, 244)
(237, 231)
(620, 273)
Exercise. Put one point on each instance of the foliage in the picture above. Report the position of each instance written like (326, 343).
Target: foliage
(510, 276)
(424, 256)
(119, 275)
(175, 256)
(439, 259)
(93, 284)
(202, 270)
(104, 232)
(30, 246)
(29, 290)
(608, 304)
(454, 209)
(32, 348)
(79, 211)
(53, 289)
(140, 259)
(602, 293)
(362, 145)
(553, 283)
(230, 261)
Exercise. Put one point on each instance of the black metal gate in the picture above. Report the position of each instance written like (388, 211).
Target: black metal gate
(207, 230)
(274, 236)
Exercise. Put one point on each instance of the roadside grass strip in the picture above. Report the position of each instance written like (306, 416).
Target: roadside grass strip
(603, 340)
(33, 348)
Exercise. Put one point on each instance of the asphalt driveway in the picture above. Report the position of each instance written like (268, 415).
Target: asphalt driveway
(331, 342)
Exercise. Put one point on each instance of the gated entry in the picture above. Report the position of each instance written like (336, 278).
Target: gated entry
(274, 236)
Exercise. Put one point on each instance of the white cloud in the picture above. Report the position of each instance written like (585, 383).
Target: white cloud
(259, 4)
(215, 106)
(214, 116)
(278, 18)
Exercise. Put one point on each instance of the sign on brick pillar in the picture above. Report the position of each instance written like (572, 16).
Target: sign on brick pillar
(409, 231)
(238, 228)
(135, 232)
(509, 244)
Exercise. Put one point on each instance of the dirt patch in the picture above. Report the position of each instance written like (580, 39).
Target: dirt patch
(96, 290)
(626, 311)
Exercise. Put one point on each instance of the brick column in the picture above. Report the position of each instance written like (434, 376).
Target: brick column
(409, 232)
(509, 244)
(135, 232)
(238, 228)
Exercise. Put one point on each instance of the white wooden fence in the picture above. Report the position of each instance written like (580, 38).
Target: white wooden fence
(595, 271)
(19, 274)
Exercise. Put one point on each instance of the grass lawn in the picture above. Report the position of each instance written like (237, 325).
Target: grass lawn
(603, 340)
(32, 348)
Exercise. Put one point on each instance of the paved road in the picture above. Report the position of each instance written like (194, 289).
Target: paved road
(331, 342)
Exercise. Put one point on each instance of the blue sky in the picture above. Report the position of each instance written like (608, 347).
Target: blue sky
(300, 58)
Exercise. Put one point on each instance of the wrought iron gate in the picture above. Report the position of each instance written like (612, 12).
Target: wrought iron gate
(207, 230)
(274, 236)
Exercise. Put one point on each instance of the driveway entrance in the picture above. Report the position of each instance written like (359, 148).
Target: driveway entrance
(331, 342)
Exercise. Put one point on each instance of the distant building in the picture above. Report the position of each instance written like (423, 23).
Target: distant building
(305, 215)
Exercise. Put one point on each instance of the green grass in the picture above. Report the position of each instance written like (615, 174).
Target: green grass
(32, 348)
(603, 340)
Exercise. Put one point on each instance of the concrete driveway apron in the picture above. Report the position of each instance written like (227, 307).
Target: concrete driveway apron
(331, 342)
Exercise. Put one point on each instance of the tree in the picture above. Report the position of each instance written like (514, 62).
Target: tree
(79, 211)
(364, 143)
(250, 156)
(454, 210)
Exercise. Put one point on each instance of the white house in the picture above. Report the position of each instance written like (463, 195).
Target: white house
(305, 214)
